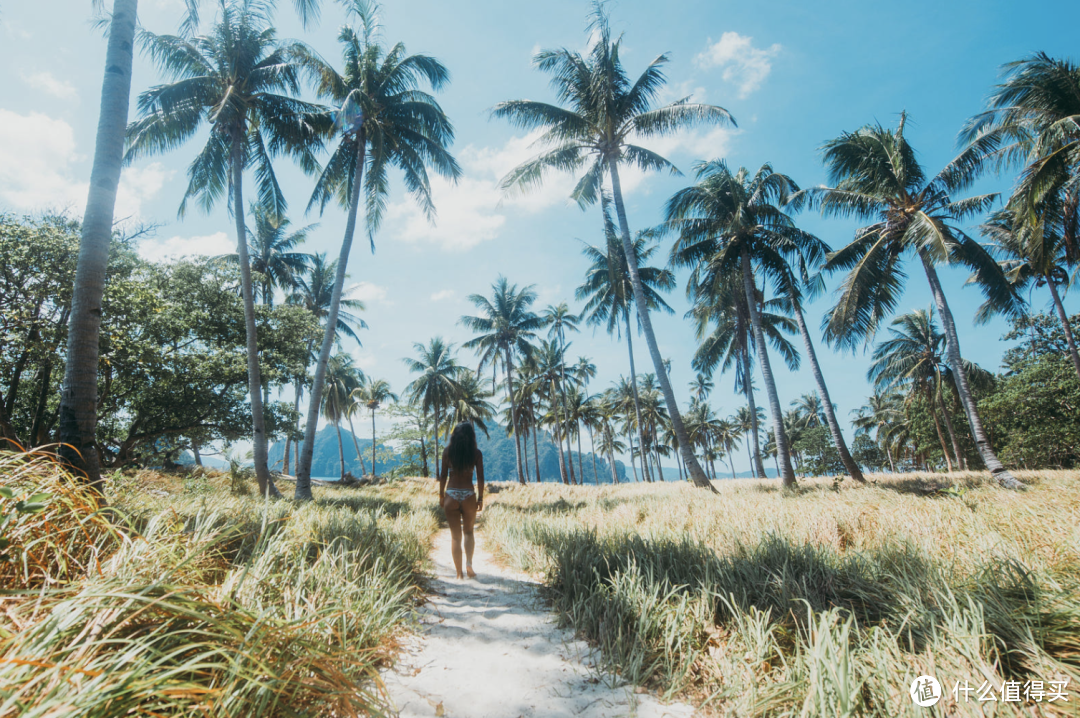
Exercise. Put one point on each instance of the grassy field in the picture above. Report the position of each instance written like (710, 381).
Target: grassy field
(185, 598)
(828, 602)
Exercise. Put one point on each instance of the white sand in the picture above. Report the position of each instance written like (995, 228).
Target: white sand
(489, 647)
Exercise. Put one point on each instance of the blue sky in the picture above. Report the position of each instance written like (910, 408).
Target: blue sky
(794, 75)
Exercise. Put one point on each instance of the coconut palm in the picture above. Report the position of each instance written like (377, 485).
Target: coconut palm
(878, 415)
(608, 291)
(79, 397)
(727, 433)
(609, 440)
(875, 176)
(1039, 248)
(243, 82)
(505, 326)
(343, 376)
(547, 359)
(270, 247)
(383, 119)
(810, 410)
(584, 371)
(371, 394)
(558, 319)
(471, 403)
(439, 382)
(746, 421)
(604, 113)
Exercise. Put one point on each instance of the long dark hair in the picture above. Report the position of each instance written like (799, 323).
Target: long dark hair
(462, 448)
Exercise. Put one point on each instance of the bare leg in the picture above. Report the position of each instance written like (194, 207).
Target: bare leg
(468, 515)
(453, 517)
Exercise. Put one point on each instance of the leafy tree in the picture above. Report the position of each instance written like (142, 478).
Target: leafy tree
(881, 412)
(603, 110)
(371, 394)
(383, 120)
(242, 81)
(505, 326)
(875, 175)
(558, 319)
(439, 382)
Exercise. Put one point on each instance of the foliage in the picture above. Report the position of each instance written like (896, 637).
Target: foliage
(817, 452)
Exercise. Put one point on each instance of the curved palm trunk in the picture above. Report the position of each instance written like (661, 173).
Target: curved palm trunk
(697, 475)
(633, 385)
(932, 406)
(78, 401)
(823, 393)
(303, 466)
(580, 457)
(356, 446)
(525, 453)
(888, 455)
(513, 411)
(1065, 325)
(611, 461)
(255, 387)
(592, 448)
(536, 430)
(438, 454)
(757, 466)
(374, 473)
(949, 427)
(731, 461)
(562, 399)
(952, 347)
(341, 449)
(783, 452)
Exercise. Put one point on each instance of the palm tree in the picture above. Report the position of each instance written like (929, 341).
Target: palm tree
(727, 433)
(558, 320)
(605, 111)
(914, 358)
(471, 403)
(373, 393)
(746, 421)
(726, 222)
(810, 410)
(875, 176)
(1039, 249)
(313, 291)
(505, 327)
(79, 398)
(234, 78)
(342, 378)
(608, 291)
(352, 408)
(547, 360)
(270, 248)
(383, 120)
(608, 412)
(438, 383)
(878, 415)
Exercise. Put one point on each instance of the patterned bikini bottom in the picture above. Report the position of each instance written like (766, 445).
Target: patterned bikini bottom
(460, 495)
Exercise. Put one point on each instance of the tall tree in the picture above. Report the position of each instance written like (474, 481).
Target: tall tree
(558, 319)
(270, 250)
(438, 383)
(342, 378)
(875, 176)
(602, 111)
(242, 81)
(79, 398)
(373, 393)
(383, 120)
(505, 326)
(878, 415)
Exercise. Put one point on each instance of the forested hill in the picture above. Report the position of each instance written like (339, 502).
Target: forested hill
(498, 448)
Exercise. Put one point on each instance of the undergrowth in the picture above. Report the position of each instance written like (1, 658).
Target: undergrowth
(824, 603)
(183, 598)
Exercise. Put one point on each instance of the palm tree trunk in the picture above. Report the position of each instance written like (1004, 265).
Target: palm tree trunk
(932, 406)
(731, 463)
(949, 427)
(633, 464)
(78, 401)
(195, 453)
(633, 385)
(611, 464)
(888, 454)
(374, 473)
(592, 453)
(536, 430)
(952, 347)
(255, 387)
(562, 399)
(580, 458)
(697, 475)
(756, 464)
(303, 468)
(823, 393)
(341, 449)
(1065, 325)
(783, 452)
(678, 465)
(356, 445)
(513, 411)
(438, 454)
(525, 453)
(296, 410)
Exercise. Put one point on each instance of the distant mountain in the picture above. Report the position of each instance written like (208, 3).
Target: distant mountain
(326, 461)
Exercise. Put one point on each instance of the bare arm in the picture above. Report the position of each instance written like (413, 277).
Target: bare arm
(479, 480)
(444, 472)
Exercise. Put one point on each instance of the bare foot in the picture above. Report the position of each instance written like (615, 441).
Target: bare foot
(472, 574)
(459, 575)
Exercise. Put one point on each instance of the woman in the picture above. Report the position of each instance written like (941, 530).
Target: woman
(457, 497)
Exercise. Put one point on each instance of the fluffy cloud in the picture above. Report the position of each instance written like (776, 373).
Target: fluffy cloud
(157, 250)
(443, 295)
(369, 293)
(744, 65)
(45, 82)
(39, 162)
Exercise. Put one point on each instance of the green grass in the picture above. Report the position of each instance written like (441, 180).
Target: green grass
(825, 603)
(182, 598)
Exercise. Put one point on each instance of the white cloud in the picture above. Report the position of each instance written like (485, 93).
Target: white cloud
(157, 250)
(443, 295)
(368, 292)
(744, 65)
(38, 161)
(45, 82)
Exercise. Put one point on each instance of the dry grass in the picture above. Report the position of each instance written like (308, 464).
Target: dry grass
(826, 602)
(185, 599)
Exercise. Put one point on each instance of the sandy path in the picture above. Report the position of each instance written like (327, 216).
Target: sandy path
(489, 647)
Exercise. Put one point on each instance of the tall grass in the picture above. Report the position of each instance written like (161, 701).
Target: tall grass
(182, 598)
(825, 603)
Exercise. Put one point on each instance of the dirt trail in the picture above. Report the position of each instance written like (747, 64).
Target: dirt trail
(489, 647)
